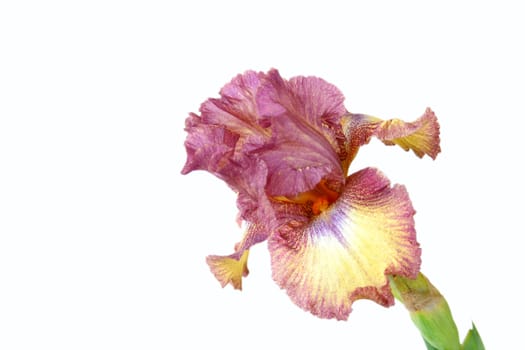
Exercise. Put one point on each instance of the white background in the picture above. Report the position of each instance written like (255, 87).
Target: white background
(102, 241)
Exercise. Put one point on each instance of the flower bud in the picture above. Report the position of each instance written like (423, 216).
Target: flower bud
(428, 309)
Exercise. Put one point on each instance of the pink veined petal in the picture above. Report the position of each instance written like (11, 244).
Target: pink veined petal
(221, 141)
(345, 253)
(207, 146)
(237, 109)
(420, 136)
(305, 147)
(219, 135)
(293, 127)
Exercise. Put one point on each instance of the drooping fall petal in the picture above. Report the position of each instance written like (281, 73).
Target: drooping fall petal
(345, 253)
(420, 136)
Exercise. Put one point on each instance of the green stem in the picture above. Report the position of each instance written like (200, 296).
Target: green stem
(431, 314)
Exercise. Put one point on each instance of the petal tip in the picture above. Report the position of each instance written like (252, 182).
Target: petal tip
(420, 136)
(429, 127)
(229, 269)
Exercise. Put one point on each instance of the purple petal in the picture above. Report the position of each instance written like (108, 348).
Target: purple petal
(221, 141)
(207, 146)
(304, 116)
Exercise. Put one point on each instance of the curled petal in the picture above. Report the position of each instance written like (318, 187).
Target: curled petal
(229, 269)
(221, 141)
(232, 268)
(345, 253)
(420, 136)
(208, 147)
(226, 127)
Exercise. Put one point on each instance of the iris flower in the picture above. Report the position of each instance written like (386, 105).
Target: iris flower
(286, 147)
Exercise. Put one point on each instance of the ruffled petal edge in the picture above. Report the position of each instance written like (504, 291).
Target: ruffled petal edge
(346, 252)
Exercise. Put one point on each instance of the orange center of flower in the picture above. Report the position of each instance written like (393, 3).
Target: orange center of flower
(320, 205)
(318, 199)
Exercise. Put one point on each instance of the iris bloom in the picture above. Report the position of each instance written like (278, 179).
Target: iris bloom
(285, 147)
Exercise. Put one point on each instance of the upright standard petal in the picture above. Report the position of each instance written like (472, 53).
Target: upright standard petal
(304, 114)
(345, 253)
(236, 110)
(420, 136)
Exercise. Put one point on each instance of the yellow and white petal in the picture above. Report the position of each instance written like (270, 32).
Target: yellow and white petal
(345, 253)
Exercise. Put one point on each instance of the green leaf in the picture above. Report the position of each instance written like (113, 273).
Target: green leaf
(429, 347)
(473, 340)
